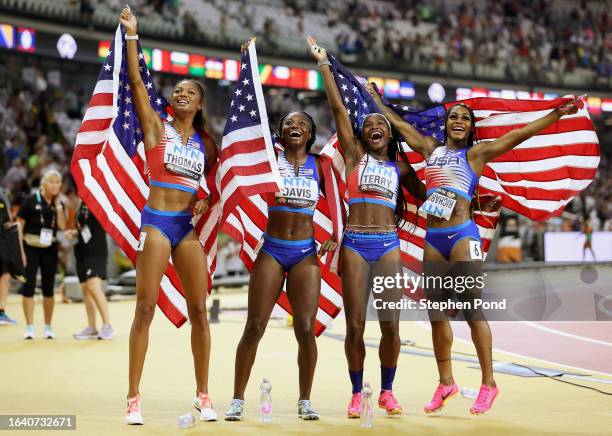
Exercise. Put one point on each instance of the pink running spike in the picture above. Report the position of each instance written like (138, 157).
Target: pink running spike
(485, 399)
(441, 395)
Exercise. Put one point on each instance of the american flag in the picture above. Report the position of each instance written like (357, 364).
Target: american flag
(536, 179)
(249, 169)
(248, 165)
(108, 166)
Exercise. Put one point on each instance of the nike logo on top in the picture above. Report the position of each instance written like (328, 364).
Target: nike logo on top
(386, 244)
(452, 236)
(306, 250)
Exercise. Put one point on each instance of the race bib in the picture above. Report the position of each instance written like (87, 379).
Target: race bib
(475, 250)
(46, 237)
(439, 204)
(298, 192)
(86, 234)
(183, 160)
(378, 178)
(141, 241)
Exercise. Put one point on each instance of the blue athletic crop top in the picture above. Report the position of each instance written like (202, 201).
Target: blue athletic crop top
(299, 193)
(450, 169)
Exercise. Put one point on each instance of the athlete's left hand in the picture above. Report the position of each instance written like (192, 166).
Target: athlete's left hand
(492, 204)
(330, 245)
(200, 207)
(569, 108)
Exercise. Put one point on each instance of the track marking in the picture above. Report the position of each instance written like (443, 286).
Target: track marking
(569, 335)
(499, 350)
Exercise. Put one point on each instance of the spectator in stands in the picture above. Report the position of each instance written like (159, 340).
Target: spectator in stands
(40, 216)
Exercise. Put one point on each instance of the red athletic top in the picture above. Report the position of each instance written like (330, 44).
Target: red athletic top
(170, 164)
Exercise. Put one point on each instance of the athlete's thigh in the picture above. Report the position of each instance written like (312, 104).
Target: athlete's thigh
(265, 285)
(387, 273)
(355, 275)
(151, 263)
(189, 260)
(303, 288)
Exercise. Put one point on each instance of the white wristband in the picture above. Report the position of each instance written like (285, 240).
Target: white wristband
(131, 37)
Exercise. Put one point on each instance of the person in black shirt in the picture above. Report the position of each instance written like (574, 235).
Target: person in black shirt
(91, 253)
(40, 216)
(5, 278)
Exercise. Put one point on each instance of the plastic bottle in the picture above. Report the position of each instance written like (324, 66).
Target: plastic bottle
(186, 421)
(470, 393)
(265, 401)
(366, 406)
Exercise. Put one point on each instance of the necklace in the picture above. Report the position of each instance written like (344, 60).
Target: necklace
(296, 165)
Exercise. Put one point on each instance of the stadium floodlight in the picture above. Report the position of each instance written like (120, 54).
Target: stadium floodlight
(66, 46)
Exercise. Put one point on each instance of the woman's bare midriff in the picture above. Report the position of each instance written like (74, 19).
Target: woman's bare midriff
(289, 226)
(370, 216)
(461, 214)
(173, 200)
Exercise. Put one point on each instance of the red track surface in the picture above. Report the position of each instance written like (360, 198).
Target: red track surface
(553, 346)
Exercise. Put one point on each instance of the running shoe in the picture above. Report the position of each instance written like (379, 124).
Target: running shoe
(7, 320)
(29, 332)
(440, 397)
(87, 333)
(204, 405)
(306, 412)
(485, 399)
(354, 407)
(234, 413)
(106, 332)
(387, 401)
(48, 333)
(133, 414)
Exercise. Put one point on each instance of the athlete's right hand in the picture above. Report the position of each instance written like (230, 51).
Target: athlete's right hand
(245, 46)
(128, 20)
(317, 52)
(373, 91)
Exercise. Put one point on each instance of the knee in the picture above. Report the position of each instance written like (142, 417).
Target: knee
(304, 332)
(355, 330)
(144, 312)
(390, 331)
(197, 313)
(254, 330)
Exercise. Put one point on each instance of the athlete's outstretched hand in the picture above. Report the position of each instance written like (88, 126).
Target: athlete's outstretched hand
(569, 108)
(373, 91)
(330, 245)
(200, 207)
(245, 46)
(317, 52)
(128, 20)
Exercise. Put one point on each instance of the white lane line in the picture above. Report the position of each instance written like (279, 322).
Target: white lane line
(569, 335)
(426, 326)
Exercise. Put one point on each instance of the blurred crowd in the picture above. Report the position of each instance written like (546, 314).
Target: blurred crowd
(542, 35)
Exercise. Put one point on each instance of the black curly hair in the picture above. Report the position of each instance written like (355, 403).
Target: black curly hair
(472, 136)
(313, 128)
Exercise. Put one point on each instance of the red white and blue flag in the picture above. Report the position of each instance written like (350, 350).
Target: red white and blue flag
(108, 165)
(249, 170)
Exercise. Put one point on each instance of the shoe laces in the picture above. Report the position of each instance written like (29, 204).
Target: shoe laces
(355, 400)
(205, 401)
(133, 404)
(388, 397)
(484, 394)
(236, 406)
(439, 393)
